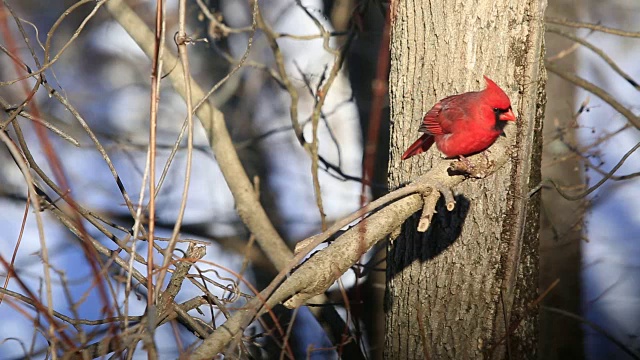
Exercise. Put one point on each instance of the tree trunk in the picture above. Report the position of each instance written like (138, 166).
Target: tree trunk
(453, 291)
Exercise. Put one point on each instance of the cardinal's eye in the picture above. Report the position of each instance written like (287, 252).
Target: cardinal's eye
(496, 110)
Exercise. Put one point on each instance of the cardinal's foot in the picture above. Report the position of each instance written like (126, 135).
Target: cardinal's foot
(466, 162)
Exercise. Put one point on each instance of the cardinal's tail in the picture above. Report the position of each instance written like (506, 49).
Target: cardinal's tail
(421, 145)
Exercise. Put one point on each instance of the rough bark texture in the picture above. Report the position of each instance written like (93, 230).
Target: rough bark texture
(448, 291)
(561, 220)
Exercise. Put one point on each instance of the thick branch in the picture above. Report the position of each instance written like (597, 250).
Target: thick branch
(325, 267)
(320, 271)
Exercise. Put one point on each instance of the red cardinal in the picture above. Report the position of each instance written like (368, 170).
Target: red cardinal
(464, 124)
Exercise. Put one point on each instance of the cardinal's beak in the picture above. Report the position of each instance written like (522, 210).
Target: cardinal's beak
(508, 116)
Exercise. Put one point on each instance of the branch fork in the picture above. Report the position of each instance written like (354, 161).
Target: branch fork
(319, 272)
(430, 197)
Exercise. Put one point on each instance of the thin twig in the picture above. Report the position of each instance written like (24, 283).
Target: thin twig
(591, 189)
(596, 27)
(598, 51)
(182, 41)
(626, 349)
(599, 92)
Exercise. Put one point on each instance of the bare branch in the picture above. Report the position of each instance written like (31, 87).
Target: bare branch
(599, 92)
(249, 209)
(598, 51)
(596, 27)
(597, 328)
(591, 189)
(323, 268)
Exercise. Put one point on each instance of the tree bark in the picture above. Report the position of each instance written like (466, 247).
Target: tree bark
(453, 291)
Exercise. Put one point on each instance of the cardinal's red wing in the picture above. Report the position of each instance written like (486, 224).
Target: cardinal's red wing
(439, 120)
(430, 123)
